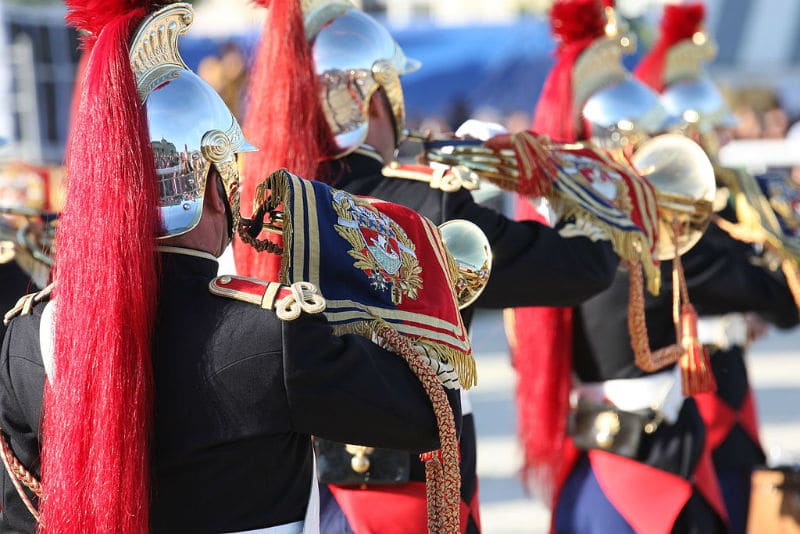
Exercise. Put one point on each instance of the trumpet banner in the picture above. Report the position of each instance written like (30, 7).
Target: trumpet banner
(386, 275)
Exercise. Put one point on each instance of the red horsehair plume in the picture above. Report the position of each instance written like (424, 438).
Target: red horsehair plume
(678, 23)
(91, 16)
(98, 403)
(681, 22)
(284, 117)
(577, 20)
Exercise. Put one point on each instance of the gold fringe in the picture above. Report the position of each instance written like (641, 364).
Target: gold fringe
(442, 475)
(629, 246)
(278, 186)
(462, 362)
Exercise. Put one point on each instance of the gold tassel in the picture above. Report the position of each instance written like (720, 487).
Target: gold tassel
(696, 373)
(442, 471)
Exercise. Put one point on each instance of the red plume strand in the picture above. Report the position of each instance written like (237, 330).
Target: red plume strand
(92, 16)
(678, 23)
(98, 405)
(576, 24)
(284, 118)
(577, 20)
(543, 355)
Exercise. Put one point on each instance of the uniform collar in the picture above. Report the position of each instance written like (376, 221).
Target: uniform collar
(188, 262)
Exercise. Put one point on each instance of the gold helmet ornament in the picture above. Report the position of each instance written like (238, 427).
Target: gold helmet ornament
(191, 128)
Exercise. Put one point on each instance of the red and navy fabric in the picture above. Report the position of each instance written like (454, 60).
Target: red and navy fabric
(389, 263)
(399, 508)
(732, 432)
(604, 487)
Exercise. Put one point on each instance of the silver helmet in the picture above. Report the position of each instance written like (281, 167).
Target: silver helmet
(688, 92)
(354, 57)
(190, 126)
(619, 109)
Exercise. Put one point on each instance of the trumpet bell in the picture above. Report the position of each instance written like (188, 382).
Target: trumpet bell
(470, 248)
(685, 185)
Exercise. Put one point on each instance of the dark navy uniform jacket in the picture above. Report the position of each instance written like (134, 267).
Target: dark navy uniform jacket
(237, 394)
(14, 283)
(722, 276)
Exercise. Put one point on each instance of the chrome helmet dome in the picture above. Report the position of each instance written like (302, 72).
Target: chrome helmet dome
(688, 91)
(354, 57)
(191, 128)
(619, 109)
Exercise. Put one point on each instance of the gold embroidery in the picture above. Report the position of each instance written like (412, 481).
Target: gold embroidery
(380, 247)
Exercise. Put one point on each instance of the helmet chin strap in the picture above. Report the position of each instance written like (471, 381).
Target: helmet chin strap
(228, 211)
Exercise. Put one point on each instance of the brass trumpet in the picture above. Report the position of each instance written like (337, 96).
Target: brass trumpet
(472, 253)
(30, 243)
(677, 168)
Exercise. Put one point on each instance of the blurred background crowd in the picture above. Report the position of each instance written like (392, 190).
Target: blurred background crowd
(481, 59)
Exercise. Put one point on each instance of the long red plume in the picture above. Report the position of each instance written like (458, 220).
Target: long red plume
(92, 16)
(542, 352)
(98, 406)
(678, 23)
(284, 118)
(575, 24)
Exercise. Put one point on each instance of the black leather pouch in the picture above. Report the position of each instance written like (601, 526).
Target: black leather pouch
(340, 463)
(598, 425)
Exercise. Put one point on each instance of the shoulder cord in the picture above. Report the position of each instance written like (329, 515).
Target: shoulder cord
(20, 476)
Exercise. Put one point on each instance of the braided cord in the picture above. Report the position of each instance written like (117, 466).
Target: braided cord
(20, 476)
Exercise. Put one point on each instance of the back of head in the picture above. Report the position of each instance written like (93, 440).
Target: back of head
(123, 193)
(317, 66)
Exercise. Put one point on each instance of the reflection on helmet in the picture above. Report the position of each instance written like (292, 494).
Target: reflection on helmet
(624, 112)
(191, 129)
(698, 102)
(355, 56)
(619, 109)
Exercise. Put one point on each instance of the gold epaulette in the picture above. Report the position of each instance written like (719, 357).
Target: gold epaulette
(25, 304)
(448, 180)
(286, 301)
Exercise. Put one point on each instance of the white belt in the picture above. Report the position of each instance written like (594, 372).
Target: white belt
(660, 391)
(466, 404)
(723, 331)
(288, 528)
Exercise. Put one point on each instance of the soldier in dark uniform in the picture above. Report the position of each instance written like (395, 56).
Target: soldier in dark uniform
(169, 409)
(635, 461)
(675, 68)
(350, 101)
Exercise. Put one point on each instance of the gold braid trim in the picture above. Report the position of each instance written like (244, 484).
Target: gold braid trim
(442, 475)
(630, 246)
(20, 476)
(463, 363)
(646, 359)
